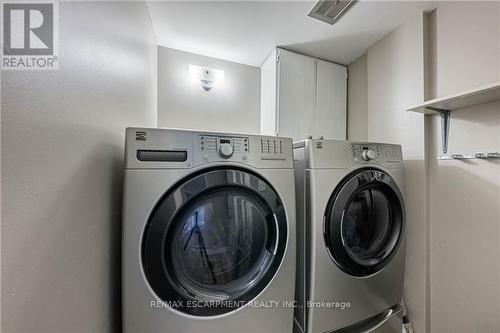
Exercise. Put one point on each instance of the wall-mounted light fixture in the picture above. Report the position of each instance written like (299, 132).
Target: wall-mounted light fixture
(207, 77)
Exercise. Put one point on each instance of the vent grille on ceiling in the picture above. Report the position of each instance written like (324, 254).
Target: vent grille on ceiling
(331, 11)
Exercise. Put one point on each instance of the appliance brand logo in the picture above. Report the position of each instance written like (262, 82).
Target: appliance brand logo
(30, 36)
(140, 136)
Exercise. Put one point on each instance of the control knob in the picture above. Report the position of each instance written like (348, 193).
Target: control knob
(368, 155)
(225, 150)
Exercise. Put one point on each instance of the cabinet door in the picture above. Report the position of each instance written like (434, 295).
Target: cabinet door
(331, 100)
(296, 95)
(268, 73)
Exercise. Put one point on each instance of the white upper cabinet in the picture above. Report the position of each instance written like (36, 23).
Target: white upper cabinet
(268, 96)
(331, 100)
(303, 96)
(296, 95)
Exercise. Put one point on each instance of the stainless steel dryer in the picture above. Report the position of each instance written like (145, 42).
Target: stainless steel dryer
(208, 232)
(351, 236)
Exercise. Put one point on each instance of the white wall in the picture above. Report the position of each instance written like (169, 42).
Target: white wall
(357, 108)
(467, 45)
(453, 252)
(395, 80)
(465, 196)
(231, 107)
(62, 136)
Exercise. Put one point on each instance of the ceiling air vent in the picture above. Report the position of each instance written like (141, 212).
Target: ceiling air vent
(331, 11)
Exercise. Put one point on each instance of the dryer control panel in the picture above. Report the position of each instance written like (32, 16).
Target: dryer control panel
(375, 153)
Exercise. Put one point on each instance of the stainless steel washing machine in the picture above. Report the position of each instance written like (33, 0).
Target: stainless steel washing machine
(208, 232)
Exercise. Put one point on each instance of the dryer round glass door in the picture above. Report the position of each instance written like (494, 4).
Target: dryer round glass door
(364, 222)
(214, 242)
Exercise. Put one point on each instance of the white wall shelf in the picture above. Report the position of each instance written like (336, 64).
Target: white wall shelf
(444, 105)
(485, 94)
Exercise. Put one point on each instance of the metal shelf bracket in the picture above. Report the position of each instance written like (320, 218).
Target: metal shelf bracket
(445, 127)
(468, 156)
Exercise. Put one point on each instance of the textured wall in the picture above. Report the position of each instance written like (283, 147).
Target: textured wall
(357, 108)
(230, 107)
(395, 76)
(465, 195)
(453, 262)
(62, 135)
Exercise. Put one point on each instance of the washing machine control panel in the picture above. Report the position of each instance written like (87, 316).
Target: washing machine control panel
(375, 153)
(223, 147)
(161, 148)
(244, 149)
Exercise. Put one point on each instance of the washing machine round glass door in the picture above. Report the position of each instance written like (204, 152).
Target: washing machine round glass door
(214, 242)
(364, 222)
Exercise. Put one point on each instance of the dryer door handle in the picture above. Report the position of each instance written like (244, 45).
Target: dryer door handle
(371, 324)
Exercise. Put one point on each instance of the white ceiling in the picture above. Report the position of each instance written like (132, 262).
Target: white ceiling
(245, 32)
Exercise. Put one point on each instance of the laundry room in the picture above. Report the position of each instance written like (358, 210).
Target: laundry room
(250, 166)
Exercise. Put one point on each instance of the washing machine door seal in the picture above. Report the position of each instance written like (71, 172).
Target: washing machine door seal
(214, 242)
(364, 222)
